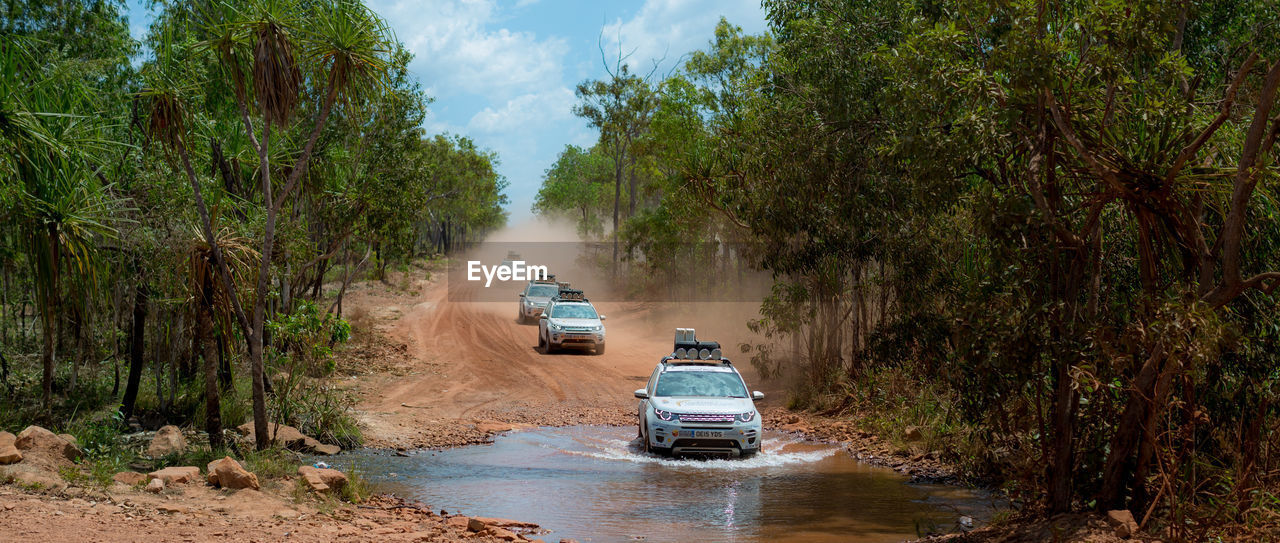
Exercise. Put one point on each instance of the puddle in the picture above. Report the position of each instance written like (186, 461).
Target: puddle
(593, 483)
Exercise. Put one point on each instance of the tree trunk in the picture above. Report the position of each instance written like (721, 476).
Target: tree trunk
(1065, 404)
(136, 345)
(52, 296)
(212, 399)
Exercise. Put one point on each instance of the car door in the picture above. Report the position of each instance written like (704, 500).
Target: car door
(643, 408)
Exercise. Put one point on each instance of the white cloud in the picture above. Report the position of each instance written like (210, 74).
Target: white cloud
(668, 29)
(524, 110)
(456, 54)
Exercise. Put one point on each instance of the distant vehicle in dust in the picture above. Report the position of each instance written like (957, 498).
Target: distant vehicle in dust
(696, 403)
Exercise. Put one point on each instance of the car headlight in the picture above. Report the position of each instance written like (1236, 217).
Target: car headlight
(553, 327)
(747, 417)
(664, 415)
(599, 328)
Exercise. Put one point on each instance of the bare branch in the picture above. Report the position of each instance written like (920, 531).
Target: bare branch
(1227, 102)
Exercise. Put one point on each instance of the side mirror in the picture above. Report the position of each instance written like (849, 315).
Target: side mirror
(757, 395)
(521, 295)
(641, 393)
(602, 317)
(542, 316)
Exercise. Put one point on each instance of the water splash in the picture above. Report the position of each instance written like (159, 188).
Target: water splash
(781, 451)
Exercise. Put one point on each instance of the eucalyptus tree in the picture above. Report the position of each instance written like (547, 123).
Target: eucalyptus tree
(574, 186)
(621, 107)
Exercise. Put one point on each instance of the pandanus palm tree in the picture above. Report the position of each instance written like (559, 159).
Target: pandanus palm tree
(62, 206)
(211, 303)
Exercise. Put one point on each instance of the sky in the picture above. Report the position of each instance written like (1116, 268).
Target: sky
(502, 72)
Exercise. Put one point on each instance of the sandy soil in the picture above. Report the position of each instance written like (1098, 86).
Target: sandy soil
(469, 369)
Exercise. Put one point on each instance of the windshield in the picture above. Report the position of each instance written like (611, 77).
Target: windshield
(700, 383)
(541, 291)
(573, 312)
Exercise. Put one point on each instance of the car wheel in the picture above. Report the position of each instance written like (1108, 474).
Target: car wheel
(542, 343)
(644, 438)
(749, 453)
(520, 317)
(600, 349)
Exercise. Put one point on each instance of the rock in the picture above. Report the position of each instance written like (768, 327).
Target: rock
(33, 476)
(37, 441)
(458, 522)
(168, 440)
(474, 525)
(130, 478)
(227, 473)
(1122, 521)
(176, 475)
(331, 479)
(507, 523)
(912, 433)
(70, 439)
(290, 438)
(154, 486)
(328, 450)
(500, 533)
(171, 509)
(10, 454)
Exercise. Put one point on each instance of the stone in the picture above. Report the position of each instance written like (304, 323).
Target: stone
(7, 438)
(227, 473)
(500, 533)
(1122, 521)
(475, 525)
(130, 478)
(912, 433)
(33, 476)
(458, 522)
(10, 454)
(176, 475)
(70, 439)
(284, 435)
(172, 509)
(328, 450)
(332, 479)
(168, 440)
(40, 442)
(154, 486)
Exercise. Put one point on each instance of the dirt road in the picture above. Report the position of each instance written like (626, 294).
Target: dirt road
(469, 369)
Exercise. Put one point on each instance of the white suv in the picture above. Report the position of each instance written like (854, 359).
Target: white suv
(570, 321)
(697, 403)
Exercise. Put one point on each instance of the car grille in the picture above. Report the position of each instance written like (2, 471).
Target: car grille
(691, 445)
(707, 417)
(577, 329)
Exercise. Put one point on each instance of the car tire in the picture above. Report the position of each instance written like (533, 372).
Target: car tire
(600, 349)
(644, 439)
(749, 453)
(542, 343)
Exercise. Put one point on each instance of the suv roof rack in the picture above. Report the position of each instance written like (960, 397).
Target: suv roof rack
(570, 295)
(688, 348)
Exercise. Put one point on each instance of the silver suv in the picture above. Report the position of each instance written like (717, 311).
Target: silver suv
(533, 301)
(570, 321)
(696, 403)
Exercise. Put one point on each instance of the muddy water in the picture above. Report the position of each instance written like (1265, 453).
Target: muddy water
(593, 484)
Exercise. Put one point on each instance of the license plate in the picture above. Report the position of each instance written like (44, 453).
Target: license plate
(707, 433)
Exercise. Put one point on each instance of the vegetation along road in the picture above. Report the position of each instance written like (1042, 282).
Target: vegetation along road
(1005, 271)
